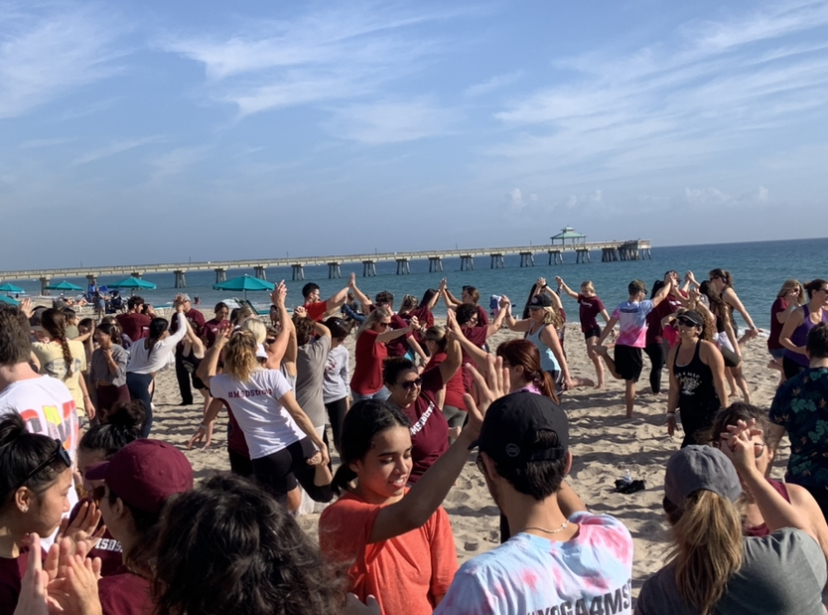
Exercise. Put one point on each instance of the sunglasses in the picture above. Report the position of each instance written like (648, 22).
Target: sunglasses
(687, 322)
(410, 384)
(384, 325)
(60, 453)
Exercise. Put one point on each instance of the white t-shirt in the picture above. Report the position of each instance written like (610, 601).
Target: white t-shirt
(632, 319)
(267, 426)
(144, 360)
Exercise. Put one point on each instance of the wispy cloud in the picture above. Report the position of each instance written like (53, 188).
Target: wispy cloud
(337, 54)
(392, 121)
(176, 161)
(116, 148)
(45, 54)
(495, 83)
(33, 143)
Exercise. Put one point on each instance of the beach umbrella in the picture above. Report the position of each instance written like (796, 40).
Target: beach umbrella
(64, 286)
(132, 282)
(244, 283)
(9, 300)
(7, 287)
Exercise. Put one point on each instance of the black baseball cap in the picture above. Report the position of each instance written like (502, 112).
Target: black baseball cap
(511, 426)
(693, 316)
(540, 301)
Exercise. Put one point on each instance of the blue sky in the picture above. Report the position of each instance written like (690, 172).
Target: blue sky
(153, 132)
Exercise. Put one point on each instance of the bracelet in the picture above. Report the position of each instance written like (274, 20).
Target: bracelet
(673, 413)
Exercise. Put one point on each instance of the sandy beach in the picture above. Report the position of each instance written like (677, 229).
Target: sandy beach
(605, 445)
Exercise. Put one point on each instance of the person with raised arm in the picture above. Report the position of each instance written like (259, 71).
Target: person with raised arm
(469, 296)
(590, 306)
(317, 309)
(723, 281)
(632, 316)
(794, 334)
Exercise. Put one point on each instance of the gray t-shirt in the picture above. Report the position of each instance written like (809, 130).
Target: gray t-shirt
(782, 573)
(310, 372)
(335, 386)
(99, 366)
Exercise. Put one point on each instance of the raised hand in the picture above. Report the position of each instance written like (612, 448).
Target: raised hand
(277, 297)
(414, 324)
(26, 307)
(485, 390)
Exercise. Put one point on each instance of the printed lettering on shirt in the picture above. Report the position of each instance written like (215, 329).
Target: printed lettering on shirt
(250, 393)
(610, 603)
(109, 544)
(418, 426)
(689, 383)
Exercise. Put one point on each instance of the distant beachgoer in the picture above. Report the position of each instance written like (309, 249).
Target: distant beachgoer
(335, 388)
(317, 309)
(107, 369)
(211, 327)
(799, 323)
(183, 372)
(469, 296)
(789, 298)
(723, 281)
(134, 324)
(632, 316)
(590, 307)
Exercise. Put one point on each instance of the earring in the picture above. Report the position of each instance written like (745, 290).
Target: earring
(25, 509)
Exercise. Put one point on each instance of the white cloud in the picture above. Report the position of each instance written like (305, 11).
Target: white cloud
(176, 161)
(392, 121)
(44, 56)
(495, 83)
(116, 148)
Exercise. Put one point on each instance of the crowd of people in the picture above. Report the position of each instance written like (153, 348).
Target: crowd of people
(98, 517)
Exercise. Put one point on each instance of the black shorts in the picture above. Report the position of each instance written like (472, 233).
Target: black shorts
(791, 367)
(592, 332)
(629, 362)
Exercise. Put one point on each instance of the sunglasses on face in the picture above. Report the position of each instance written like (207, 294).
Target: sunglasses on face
(411, 384)
(686, 322)
(384, 325)
(60, 453)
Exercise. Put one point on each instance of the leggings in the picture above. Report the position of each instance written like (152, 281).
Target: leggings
(336, 415)
(656, 354)
(280, 471)
(240, 465)
(138, 385)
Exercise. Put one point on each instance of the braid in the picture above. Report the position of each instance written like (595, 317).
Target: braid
(54, 322)
(67, 357)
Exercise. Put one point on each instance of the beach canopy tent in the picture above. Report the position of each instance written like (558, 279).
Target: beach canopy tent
(9, 300)
(132, 282)
(7, 287)
(64, 286)
(245, 283)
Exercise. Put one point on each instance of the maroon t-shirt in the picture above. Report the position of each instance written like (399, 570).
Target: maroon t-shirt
(590, 308)
(429, 428)
(398, 347)
(11, 572)
(235, 435)
(477, 336)
(369, 355)
(107, 548)
(125, 594)
(482, 316)
(780, 305)
(655, 332)
(135, 326)
(210, 330)
(454, 387)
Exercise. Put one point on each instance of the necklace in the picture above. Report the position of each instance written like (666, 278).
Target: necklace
(540, 529)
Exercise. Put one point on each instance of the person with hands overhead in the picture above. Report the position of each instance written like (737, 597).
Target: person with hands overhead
(632, 315)
(590, 306)
(466, 317)
(715, 569)
(317, 309)
(397, 540)
(283, 444)
(469, 296)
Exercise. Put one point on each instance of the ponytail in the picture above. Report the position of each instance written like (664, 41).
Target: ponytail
(343, 477)
(546, 385)
(709, 549)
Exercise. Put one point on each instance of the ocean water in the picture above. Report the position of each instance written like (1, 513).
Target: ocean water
(758, 269)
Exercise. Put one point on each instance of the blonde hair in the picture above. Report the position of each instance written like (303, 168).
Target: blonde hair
(552, 316)
(373, 318)
(240, 355)
(588, 285)
(707, 531)
(790, 284)
(256, 327)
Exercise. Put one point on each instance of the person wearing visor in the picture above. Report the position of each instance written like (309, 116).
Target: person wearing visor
(697, 379)
(138, 480)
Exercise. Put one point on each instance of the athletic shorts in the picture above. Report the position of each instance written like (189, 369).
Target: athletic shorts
(777, 353)
(629, 362)
(592, 332)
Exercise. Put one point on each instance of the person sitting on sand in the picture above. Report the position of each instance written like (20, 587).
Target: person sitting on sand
(560, 558)
(715, 569)
(632, 316)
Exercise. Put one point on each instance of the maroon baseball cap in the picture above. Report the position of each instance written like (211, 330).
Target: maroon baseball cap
(145, 473)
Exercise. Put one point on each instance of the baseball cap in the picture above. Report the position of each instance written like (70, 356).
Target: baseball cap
(185, 297)
(637, 286)
(145, 473)
(510, 429)
(540, 301)
(261, 353)
(693, 316)
(700, 467)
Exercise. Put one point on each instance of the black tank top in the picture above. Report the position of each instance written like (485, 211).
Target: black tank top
(695, 380)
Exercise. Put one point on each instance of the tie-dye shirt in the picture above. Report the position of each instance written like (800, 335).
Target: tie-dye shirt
(632, 320)
(530, 575)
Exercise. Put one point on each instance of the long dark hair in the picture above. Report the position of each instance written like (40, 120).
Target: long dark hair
(363, 421)
(123, 425)
(54, 322)
(525, 354)
(228, 546)
(20, 453)
(157, 328)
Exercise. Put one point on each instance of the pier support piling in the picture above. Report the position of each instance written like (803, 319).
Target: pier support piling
(334, 271)
(221, 275)
(260, 272)
(435, 263)
(403, 266)
(527, 259)
(582, 256)
(44, 282)
(555, 257)
(180, 278)
(497, 260)
(466, 262)
(369, 269)
(298, 271)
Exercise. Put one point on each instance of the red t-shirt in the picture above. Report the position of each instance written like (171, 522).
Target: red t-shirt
(429, 428)
(590, 308)
(135, 326)
(125, 594)
(210, 330)
(780, 305)
(398, 347)
(655, 332)
(405, 572)
(477, 336)
(425, 318)
(11, 573)
(369, 355)
(454, 387)
(482, 316)
(317, 310)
